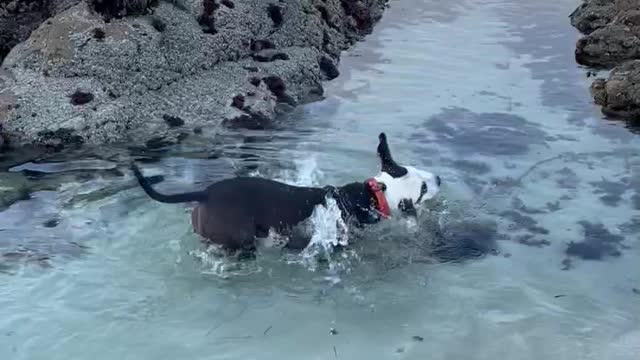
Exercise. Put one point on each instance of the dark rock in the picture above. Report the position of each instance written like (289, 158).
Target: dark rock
(276, 85)
(238, 101)
(360, 13)
(270, 55)
(417, 338)
(328, 68)
(98, 34)
(172, 121)
(206, 18)
(324, 14)
(228, 3)
(259, 45)
(275, 13)
(255, 81)
(80, 97)
(119, 8)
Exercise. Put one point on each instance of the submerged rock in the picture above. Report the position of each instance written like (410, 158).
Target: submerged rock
(137, 70)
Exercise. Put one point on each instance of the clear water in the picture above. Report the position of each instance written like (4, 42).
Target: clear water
(483, 92)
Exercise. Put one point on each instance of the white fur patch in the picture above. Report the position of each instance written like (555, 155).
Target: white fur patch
(408, 187)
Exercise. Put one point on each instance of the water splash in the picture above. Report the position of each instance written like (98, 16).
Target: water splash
(329, 231)
(327, 228)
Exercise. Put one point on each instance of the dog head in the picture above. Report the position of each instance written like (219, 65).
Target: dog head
(406, 187)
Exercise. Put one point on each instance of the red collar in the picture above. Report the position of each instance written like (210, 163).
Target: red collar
(381, 201)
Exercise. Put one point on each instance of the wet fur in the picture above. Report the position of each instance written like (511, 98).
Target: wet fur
(235, 212)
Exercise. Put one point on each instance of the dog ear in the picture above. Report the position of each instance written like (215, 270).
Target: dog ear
(387, 164)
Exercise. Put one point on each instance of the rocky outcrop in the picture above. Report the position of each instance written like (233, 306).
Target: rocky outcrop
(619, 96)
(612, 39)
(91, 75)
(18, 18)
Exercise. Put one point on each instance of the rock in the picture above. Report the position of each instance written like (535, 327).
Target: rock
(612, 32)
(593, 15)
(269, 55)
(619, 95)
(238, 101)
(328, 68)
(18, 18)
(608, 46)
(172, 121)
(80, 97)
(252, 112)
(138, 70)
(612, 39)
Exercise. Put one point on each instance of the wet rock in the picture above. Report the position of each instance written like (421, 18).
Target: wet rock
(140, 70)
(80, 97)
(252, 112)
(173, 121)
(328, 68)
(609, 46)
(612, 39)
(238, 101)
(619, 95)
(276, 85)
(18, 18)
(593, 15)
(612, 30)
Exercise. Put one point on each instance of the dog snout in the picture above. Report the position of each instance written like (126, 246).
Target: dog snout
(438, 180)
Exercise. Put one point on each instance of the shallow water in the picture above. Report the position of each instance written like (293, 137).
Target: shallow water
(484, 93)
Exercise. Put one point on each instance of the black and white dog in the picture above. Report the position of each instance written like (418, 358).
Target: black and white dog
(236, 212)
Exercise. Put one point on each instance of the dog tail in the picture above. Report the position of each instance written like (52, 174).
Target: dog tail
(198, 196)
